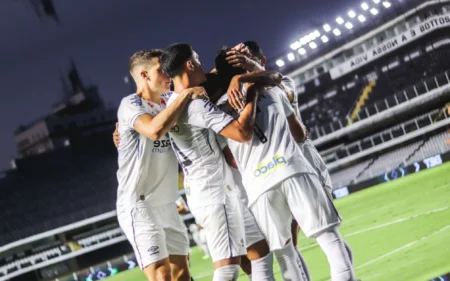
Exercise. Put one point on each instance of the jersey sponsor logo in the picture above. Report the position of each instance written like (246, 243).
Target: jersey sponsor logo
(209, 105)
(136, 101)
(160, 146)
(175, 129)
(269, 167)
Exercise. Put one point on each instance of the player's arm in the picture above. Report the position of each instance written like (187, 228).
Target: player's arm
(262, 78)
(297, 129)
(241, 129)
(154, 127)
(223, 145)
(288, 86)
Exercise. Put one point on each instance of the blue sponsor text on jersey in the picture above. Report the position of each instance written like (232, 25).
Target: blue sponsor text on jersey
(268, 167)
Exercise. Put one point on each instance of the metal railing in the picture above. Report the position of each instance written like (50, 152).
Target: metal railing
(375, 108)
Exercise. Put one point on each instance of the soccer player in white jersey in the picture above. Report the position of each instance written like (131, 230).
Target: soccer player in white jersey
(208, 187)
(148, 170)
(280, 181)
(256, 62)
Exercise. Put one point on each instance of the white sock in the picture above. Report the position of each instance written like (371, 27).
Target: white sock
(333, 246)
(262, 269)
(304, 265)
(249, 277)
(226, 273)
(290, 264)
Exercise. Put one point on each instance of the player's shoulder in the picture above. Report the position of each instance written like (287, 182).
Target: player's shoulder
(287, 79)
(132, 99)
(202, 105)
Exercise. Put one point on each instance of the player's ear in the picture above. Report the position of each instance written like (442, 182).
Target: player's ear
(190, 66)
(144, 75)
(263, 61)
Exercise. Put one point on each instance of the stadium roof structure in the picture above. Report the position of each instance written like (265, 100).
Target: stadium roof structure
(343, 29)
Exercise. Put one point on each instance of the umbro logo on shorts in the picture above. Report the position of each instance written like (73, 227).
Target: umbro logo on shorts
(153, 250)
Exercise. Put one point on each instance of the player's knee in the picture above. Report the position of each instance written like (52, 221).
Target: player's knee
(163, 273)
(181, 274)
(258, 250)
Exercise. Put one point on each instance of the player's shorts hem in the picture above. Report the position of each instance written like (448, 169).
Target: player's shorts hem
(315, 233)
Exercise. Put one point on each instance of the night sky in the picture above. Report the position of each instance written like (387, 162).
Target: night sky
(100, 35)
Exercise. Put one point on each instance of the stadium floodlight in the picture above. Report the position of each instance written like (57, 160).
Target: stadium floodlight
(304, 40)
(365, 6)
(340, 20)
(327, 28)
(351, 14)
(337, 32)
(386, 4)
(349, 25)
(280, 63)
(317, 33)
(374, 11)
(361, 18)
(324, 39)
(302, 51)
(376, 1)
(296, 45)
(291, 57)
(313, 45)
(312, 36)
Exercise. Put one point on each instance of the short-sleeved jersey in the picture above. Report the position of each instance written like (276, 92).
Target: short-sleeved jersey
(147, 169)
(198, 152)
(272, 155)
(289, 85)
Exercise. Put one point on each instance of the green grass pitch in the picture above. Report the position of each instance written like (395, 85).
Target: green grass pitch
(398, 231)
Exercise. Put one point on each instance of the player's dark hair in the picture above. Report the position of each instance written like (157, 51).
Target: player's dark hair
(144, 56)
(174, 58)
(224, 69)
(254, 48)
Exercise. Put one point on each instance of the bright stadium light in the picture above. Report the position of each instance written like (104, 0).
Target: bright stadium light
(351, 14)
(302, 51)
(280, 63)
(324, 39)
(349, 25)
(296, 45)
(304, 40)
(291, 57)
(364, 6)
(376, 1)
(340, 20)
(374, 11)
(386, 4)
(361, 18)
(317, 33)
(313, 45)
(337, 32)
(327, 28)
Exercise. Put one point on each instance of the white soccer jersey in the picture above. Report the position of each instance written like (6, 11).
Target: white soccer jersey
(289, 85)
(198, 152)
(273, 155)
(147, 169)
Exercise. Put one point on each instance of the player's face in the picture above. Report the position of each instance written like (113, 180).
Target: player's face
(197, 72)
(158, 81)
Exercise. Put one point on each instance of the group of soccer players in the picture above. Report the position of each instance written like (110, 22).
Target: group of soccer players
(251, 174)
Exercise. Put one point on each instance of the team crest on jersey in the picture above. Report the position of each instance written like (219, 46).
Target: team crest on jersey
(136, 100)
(270, 166)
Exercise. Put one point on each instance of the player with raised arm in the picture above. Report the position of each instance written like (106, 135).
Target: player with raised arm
(280, 181)
(148, 171)
(203, 163)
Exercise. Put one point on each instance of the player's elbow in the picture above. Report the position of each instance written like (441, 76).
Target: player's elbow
(154, 134)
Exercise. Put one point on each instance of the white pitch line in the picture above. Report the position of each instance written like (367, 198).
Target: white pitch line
(402, 247)
(383, 225)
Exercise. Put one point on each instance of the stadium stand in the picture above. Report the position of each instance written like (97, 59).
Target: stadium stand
(371, 124)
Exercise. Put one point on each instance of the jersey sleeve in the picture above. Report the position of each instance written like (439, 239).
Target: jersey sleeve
(221, 141)
(131, 108)
(288, 83)
(205, 114)
(288, 110)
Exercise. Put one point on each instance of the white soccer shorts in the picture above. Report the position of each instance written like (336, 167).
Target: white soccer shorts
(154, 232)
(252, 232)
(224, 228)
(302, 196)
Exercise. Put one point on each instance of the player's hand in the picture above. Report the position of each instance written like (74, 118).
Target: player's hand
(237, 59)
(235, 96)
(116, 135)
(197, 93)
(241, 48)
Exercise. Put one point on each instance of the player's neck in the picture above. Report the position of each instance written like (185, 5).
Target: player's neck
(148, 95)
(182, 83)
